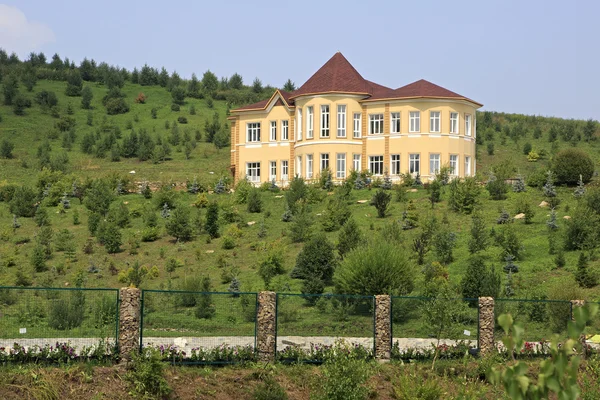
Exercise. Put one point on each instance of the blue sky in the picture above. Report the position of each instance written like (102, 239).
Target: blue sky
(527, 56)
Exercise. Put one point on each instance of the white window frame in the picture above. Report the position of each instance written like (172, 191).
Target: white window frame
(454, 166)
(299, 123)
(414, 121)
(325, 123)
(298, 171)
(414, 163)
(375, 124)
(310, 122)
(395, 122)
(357, 162)
(324, 159)
(285, 170)
(454, 119)
(253, 171)
(285, 124)
(467, 166)
(395, 164)
(340, 166)
(435, 164)
(435, 118)
(468, 119)
(253, 132)
(309, 166)
(272, 170)
(357, 132)
(341, 120)
(376, 165)
(273, 131)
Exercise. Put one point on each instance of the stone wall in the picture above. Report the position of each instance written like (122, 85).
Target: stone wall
(129, 322)
(266, 330)
(486, 325)
(383, 327)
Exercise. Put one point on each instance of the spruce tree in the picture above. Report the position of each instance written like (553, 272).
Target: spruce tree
(212, 220)
(580, 189)
(584, 277)
(349, 238)
(479, 235)
(179, 224)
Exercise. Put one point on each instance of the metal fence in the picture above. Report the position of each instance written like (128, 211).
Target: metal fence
(81, 317)
(199, 326)
(311, 323)
(541, 319)
(418, 322)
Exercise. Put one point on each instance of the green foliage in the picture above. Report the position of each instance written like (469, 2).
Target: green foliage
(38, 258)
(337, 213)
(145, 374)
(10, 88)
(510, 243)
(99, 196)
(435, 192)
(65, 314)
(582, 230)
(109, 236)
(6, 149)
(301, 229)
(86, 98)
(316, 260)
(479, 280)
(179, 224)
(349, 238)
(496, 186)
(297, 192)
(463, 195)
(380, 268)
(254, 201)
(443, 243)
(269, 389)
(569, 164)
(212, 220)
(583, 276)
(271, 265)
(479, 236)
(557, 375)
(381, 201)
(205, 309)
(41, 217)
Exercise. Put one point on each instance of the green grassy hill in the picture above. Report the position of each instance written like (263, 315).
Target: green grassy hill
(508, 134)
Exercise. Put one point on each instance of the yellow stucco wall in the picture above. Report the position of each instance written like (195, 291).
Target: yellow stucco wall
(386, 144)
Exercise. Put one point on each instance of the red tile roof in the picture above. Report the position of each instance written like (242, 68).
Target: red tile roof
(339, 76)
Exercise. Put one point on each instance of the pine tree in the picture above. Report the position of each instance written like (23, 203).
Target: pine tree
(166, 211)
(349, 238)
(179, 224)
(519, 185)
(212, 220)
(235, 287)
(205, 309)
(479, 236)
(583, 276)
(510, 266)
(551, 223)
(549, 188)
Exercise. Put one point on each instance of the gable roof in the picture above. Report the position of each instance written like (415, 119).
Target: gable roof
(337, 75)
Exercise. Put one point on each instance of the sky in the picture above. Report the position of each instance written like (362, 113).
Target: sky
(521, 56)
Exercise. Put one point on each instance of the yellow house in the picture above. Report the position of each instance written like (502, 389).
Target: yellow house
(341, 121)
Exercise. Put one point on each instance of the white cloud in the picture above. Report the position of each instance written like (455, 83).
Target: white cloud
(20, 35)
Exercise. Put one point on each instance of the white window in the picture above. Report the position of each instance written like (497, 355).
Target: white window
(299, 124)
(284, 130)
(375, 124)
(357, 125)
(253, 132)
(340, 166)
(341, 121)
(299, 166)
(376, 165)
(273, 131)
(309, 166)
(310, 122)
(467, 166)
(356, 159)
(434, 164)
(453, 122)
(415, 121)
(272, 171)
(395, 164)
(395, 122)
(284, 170)
(468, 124)
(253, 171)
(325, 121)
(434, 121)
(454, 164)
(324, 161)
(414, 164)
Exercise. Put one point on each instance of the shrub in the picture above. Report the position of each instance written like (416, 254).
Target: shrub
(175, 107)
(38, 258)
(349, 238)
(182, 120)
(23, 202)
(569, 164)
(379, 268)
(269, 389)
(109, 235)
(584, 277)
(212, 220)
(560, 313)
(490, 148)
(116, 106)
(581, 231)
(527, 148)
(479, 280)
(150, 234)
(316, 260)
(301, 231)
(205, 308)
(463, 195)
(443, 244)
(479, 236)
(381, 201)
(254, 201)
(179, 224)
(6, 149)
(337, 213)
(510, 243)
(67, 314)
(271, 266)
(497, 187)
(146, 374)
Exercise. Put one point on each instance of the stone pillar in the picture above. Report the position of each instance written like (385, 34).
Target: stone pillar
(383, 327)
(129, 322)
(266, 326)
(486, 325)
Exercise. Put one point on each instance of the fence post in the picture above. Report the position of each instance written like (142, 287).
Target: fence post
(486, 325)
(383, 327)
(265, 335)
(129, 322)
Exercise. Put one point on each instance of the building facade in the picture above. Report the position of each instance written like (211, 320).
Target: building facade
(341, 121)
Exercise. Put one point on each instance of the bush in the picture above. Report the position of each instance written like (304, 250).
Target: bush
(301, 231)
(582, 229)
(269, 389)
(316, 260)
(146, 374)
(527, 148)
(584, 277)
(212, 220)
(182, 120)
(205, 308)
(254, 201)
(349, 238)
(568, 164)
(116, 106)
(381, 201)
(20, 103)
(175, 107)
(497, 187)
(179, 224)
(150, 234)
(443, 244)
(271, 266)
(6, 149)
(463, 195)
(560, 313)
(67, 314)
(109, 235)
(380, 268)
(480, 281)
